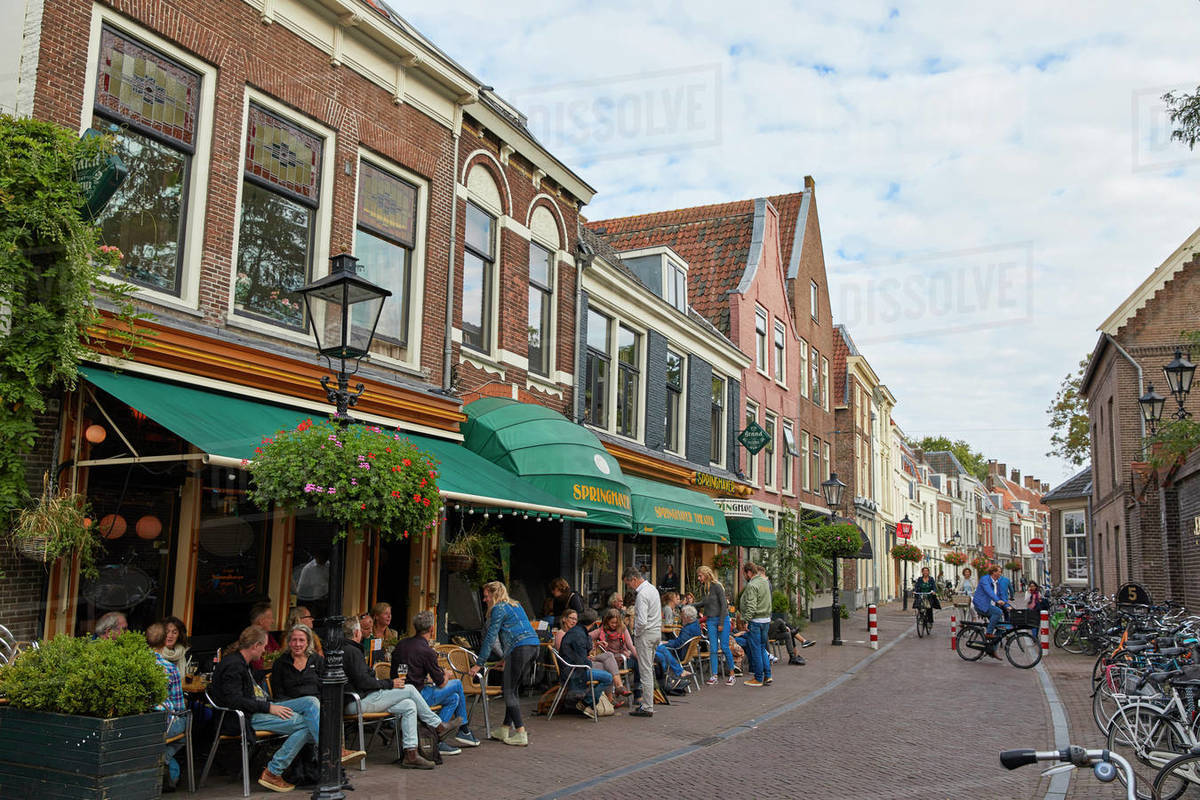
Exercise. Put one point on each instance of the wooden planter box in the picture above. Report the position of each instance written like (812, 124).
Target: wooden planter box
(63, 757)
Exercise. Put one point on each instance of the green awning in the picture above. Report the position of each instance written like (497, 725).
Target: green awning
(660, 509)
(232, 427)
(548, 450)
(753, 531)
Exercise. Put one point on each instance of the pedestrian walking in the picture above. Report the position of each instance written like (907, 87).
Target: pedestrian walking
(647, 632)
(755, 607)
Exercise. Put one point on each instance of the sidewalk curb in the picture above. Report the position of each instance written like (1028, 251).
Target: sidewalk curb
(732, 731)
(1061, 782)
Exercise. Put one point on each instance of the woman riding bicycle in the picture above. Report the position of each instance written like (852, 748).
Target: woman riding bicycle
(925, 588)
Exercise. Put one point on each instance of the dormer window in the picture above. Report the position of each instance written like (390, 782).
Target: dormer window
(675, 284)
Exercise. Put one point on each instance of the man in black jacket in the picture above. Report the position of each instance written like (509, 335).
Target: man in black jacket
(233, 687)
(392, 696)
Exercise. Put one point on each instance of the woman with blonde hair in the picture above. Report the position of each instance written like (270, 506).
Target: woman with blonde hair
(298, 670)
(506, 621)
(715, 606)
(300, 615)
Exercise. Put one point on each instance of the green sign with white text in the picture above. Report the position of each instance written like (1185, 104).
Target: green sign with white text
(99, 178)
(754, 438)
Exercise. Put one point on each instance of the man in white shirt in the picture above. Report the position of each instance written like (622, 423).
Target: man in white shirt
(647, 632)
(312, 589)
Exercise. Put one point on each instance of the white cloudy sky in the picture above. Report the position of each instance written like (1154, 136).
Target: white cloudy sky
(992, 181)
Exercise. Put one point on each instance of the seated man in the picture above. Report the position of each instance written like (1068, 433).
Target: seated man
(111, 625)
(392, 696)
(175, 705)
(233, 687)
(574, 648)
(437, 685)
(780, 631)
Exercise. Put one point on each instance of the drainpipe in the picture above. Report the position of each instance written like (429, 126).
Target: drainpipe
(1138, 367)
(447, 350)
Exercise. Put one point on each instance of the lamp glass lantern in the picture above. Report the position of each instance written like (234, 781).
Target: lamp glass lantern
(832, 490)
(1151, 404)
(1179, 374)
(343, 309)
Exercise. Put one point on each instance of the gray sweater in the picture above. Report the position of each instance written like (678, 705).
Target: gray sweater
(715, 603)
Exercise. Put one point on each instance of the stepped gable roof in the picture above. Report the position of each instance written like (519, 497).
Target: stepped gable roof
(1078, 485)
(713, 239)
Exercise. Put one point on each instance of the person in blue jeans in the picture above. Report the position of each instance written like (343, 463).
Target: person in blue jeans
(989, 603)
(715, 605)
(298, 719)
(507, 622)
(438, 686)
(755, 608)
(574, 648)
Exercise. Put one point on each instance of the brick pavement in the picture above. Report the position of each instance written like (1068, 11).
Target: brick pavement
(916, 721)
(1072, 677)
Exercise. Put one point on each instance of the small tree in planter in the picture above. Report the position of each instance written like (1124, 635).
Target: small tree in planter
(955, 559)
(81, 718)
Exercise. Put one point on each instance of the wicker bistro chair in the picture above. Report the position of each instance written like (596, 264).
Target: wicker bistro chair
(691, 658)
(186, 736)
(461, 660)
(566, 670)
(219, 737)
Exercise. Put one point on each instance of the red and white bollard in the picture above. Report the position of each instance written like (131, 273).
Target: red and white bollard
(1044, 632)
(873, 626)
(953, 631)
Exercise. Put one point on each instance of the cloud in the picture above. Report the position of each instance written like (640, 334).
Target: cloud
(930, 128)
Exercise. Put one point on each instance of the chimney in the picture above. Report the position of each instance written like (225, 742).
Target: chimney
(1045, 488)
(992, 466)
(1001, 470)
(1031, 483)
(1016, 476)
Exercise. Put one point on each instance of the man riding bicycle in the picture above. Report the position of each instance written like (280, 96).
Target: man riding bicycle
(990, 604)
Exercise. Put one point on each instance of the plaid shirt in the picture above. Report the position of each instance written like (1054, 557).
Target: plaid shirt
(175, 701)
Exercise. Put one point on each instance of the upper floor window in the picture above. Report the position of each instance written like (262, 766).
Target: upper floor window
(815, 476)
(825, 383)
(769, 459)
(598, 370)
(155, 101)
(814, 301)
(383, 243)
(628, 380)
(760, 339)
(825, 461)
(803, 368)
(1075, 557)
(716, 440)
(804, 460)
(675, 285)
(280, 197)
(673, 419)
(789, 453)
(751, 458)
(815, 377)
(478, 258)
(780, 352)
(541, 275)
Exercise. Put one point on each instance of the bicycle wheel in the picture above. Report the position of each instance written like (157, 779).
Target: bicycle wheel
(1147, 739)
(1178, 778)
(1070, 641)
(1022, 649)
(971, 644)
(928, 622)
(1116, 682)
(920, 623)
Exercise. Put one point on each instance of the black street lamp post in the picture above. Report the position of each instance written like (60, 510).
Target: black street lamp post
(907, 523)
(343, 311)
(832, 490)
(1179, 374)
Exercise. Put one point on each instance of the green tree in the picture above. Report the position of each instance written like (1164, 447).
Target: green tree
(1069, 431)
(1184, 111)
(972, 460)
(51, 277)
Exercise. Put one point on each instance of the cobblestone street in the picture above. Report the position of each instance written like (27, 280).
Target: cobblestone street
(912, 720)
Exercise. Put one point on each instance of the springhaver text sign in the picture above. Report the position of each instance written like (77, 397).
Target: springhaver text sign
(735, 508)
(716, 482)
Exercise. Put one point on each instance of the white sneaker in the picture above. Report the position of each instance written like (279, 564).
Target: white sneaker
(587, 710)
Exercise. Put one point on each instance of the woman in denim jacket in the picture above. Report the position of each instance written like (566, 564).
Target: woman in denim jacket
(506, 620)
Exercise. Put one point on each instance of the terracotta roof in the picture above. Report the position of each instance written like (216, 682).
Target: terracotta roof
(837, 363)
(713, 239)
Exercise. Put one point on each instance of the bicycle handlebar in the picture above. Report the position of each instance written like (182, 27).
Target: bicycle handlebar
(1075, 756)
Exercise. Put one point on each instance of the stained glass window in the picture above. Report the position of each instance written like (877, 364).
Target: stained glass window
(138, 85)
(383, 243)
(283, 155)
(387, 205)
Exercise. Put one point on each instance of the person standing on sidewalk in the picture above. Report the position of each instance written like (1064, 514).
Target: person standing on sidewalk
(715, 606)
(647, 632)
(755, 607)
(507, 623)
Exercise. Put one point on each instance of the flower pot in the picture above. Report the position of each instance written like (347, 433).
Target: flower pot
(457, 562)
(65, 756)
(33, 548)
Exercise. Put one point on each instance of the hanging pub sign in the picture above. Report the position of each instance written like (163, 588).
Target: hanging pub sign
(99, 178)
(754, 438)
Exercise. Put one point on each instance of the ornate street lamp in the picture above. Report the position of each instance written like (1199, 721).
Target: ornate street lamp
(343, 311)
(832, 490)
(1179, 375)
(907, 523)
(1151, 404)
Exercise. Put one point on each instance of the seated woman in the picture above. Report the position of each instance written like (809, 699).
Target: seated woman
(175, 644)
(575, 645)
(612, 637)
(300, 615)
(297, 672)
(597, 658)
(670, 602)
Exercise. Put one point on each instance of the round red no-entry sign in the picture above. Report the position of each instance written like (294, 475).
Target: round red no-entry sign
(1036, 545)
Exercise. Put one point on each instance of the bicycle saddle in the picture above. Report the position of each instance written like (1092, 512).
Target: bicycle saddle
(1160, 677)
(1137, 648)
(1172, 651)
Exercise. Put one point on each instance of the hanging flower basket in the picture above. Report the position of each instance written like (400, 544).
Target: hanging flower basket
(836, 540)
(955, 558)
(358, 476)
(1013, 565)
(458, 562)
(980, 564)
(724, 561)
(907, 552)
(57, 526)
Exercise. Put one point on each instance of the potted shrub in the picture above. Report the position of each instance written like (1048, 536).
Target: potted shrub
(57, 526)
(81, 720)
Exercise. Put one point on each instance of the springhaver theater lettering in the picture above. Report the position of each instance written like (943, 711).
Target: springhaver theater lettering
(716, 483)
(608, 497)
(683, 515)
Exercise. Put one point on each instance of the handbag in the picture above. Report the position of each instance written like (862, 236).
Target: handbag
(604, 706)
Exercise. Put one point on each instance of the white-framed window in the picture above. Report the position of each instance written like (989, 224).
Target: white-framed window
(814, 301)
(760, 340)
(598, 369)
(675, 284)
(751, 458)
(769, 425)
(673, 418)
(1074, 546)
(804, 484)
(803, 368)
(825, 461)
(824, 383)
(157, 101)
(541, 293)
(814, 379)
(282, 215)
(628, 380)
(388, 237)
(479, 258)
(716, 446)
(789, 453)
(780, 352)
